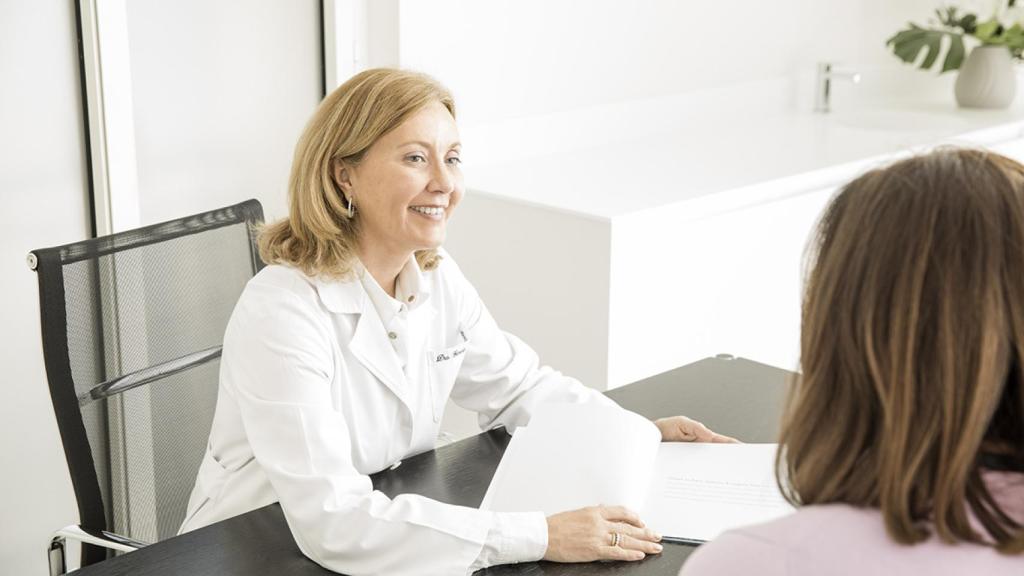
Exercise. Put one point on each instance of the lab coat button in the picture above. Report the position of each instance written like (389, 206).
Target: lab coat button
(392, 335)
(412, 297)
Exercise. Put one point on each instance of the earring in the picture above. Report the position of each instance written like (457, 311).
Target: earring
(351, 208)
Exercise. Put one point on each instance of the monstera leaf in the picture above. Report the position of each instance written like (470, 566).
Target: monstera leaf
(995, 34)
(908, 44)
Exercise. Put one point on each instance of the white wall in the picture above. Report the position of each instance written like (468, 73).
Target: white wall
(43, 197)
(221, 93)
(513, 58)
(522, 70)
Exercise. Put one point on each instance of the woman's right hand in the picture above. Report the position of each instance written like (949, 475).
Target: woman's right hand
(586, 535)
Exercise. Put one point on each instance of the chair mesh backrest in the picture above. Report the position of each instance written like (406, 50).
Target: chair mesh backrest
(133, 301)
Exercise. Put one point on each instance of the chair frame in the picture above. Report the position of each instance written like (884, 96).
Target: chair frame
(93, 532)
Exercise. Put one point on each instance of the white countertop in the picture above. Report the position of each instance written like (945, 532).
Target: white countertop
(634, 156)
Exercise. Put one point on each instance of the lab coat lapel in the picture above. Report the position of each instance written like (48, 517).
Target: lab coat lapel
(369, 343)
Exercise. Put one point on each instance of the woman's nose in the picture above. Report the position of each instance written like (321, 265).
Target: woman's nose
(442, 181)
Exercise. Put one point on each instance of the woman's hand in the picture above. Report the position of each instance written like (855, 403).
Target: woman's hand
(683, 429)
(587, 534)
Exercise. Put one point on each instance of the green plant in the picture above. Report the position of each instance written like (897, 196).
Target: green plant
(1004, 28)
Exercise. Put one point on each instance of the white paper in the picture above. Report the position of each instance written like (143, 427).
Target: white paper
(700, 490)
(572, 456)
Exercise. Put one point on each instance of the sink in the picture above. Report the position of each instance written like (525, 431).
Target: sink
(896, 120)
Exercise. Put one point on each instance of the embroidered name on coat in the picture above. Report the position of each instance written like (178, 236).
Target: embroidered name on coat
(442, 357)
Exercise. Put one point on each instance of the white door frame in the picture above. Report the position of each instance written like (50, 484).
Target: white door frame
(358, 34)
(109, 114)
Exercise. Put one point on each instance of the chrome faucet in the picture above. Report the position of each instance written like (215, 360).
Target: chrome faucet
(823, 85)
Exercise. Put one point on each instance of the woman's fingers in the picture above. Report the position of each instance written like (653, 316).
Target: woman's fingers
(645, 534)
(645, 546)
(683, 429)
(620, 553)
(701, 432)
(621, 514)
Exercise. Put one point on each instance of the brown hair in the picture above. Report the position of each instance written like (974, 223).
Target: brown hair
(319, 237)
(912, 335)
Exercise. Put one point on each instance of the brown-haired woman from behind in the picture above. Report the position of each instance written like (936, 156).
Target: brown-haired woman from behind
(903, 438)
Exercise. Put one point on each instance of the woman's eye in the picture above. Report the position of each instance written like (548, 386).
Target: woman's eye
(416, 158)
(455, 160)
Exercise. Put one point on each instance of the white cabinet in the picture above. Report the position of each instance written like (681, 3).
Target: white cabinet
(729, 283)
(614, 300)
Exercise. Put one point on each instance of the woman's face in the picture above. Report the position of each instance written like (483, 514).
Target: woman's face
(407, 184)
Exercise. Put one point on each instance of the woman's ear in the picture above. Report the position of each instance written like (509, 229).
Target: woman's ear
(342, 177)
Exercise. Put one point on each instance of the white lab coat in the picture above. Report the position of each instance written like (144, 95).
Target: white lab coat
(313, 399)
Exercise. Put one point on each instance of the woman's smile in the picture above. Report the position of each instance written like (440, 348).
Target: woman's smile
(436, 213)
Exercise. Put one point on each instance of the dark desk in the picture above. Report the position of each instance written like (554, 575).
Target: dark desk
(736, 397)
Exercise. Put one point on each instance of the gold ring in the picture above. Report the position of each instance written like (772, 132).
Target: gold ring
(616, 538)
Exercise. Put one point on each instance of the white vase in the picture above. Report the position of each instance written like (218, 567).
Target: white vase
(987, 79)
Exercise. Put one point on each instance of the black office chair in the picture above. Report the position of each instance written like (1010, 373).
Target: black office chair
(132, 328)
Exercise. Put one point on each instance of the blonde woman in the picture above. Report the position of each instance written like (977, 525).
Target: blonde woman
(904, 436)
(341, 354)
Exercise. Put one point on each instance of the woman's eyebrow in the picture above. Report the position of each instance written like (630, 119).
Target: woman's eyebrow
(427, 145)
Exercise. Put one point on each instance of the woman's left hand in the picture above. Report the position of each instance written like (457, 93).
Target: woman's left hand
(683, 429)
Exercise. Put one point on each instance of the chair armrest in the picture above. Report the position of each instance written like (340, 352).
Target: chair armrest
(56, 554)
(100, 538)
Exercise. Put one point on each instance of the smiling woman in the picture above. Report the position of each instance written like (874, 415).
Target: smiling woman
(342, 353)
(346, 137)
(404, 187)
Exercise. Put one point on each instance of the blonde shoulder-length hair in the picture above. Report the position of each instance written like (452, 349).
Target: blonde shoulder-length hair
(319, 236)
(911, 349)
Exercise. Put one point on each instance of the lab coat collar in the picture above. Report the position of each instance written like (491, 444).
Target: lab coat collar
(342, 296)
(349, 296)
(370, 343)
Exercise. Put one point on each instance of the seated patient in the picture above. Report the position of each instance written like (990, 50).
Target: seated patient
(903, 440)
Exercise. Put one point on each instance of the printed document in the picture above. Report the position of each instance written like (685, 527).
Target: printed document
(577, 455)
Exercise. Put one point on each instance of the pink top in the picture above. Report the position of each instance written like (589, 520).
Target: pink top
(838, 539)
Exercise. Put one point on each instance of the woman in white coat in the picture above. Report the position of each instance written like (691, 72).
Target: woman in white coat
(341, 354)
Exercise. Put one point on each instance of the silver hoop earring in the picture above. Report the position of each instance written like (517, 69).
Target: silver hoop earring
(351, 208)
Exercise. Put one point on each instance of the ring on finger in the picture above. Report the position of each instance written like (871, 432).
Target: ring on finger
(616, 538)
